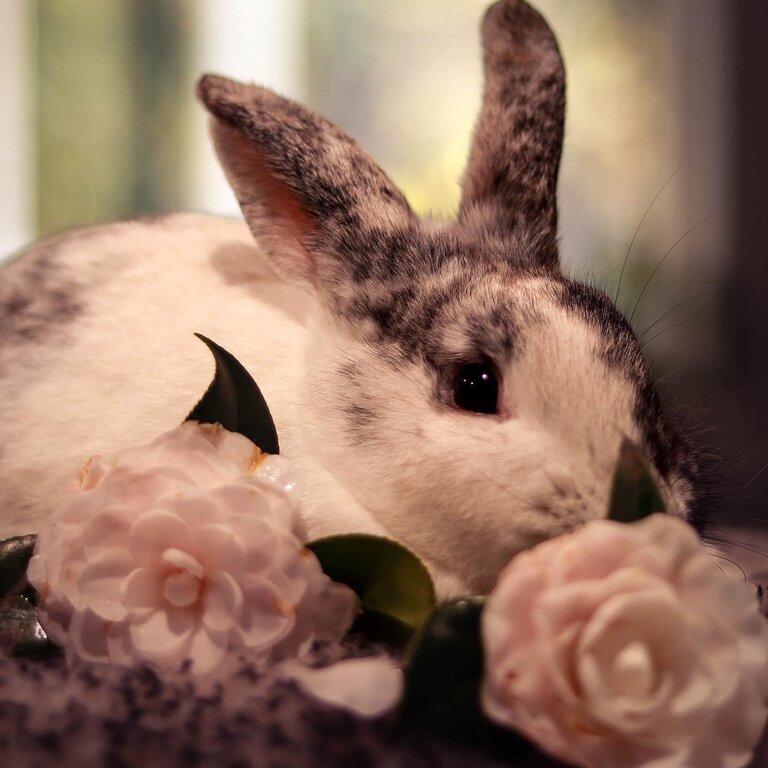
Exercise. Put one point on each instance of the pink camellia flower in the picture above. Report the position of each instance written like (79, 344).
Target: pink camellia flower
(622, 645)
(184, 549)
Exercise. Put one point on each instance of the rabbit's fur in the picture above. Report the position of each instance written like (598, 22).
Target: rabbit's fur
(353, 316)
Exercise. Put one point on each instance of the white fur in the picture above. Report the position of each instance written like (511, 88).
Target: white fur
(135, 369)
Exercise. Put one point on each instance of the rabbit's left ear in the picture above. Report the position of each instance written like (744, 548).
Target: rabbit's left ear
(510, 184)
(310, 194)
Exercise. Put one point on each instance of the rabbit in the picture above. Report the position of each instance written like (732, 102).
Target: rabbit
(440, 383)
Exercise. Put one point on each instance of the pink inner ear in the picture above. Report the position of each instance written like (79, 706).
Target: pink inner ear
(288, 219)
(277, 217)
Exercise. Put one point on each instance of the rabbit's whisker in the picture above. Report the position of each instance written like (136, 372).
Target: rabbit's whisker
(716, 538)
(759, 472)
(732, 562)
(664, 258)
(696, 318)
(669, 312)
(647, 211)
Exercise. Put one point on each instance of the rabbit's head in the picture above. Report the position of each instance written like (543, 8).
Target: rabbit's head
(468, 394)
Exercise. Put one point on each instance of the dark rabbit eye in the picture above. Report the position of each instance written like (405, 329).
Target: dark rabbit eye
(476, 388)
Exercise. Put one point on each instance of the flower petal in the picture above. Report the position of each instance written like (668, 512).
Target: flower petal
(184, 561)
(194, 532)
(135, 483)
(206, 650)
(107, 528)
(368, 687)
(267, 618)
(154, 532)
(333, 610)
(196, 506)
(88, 634)
(143, 588)
(221, 548)
(36, 574)
(280, 472)
(222, 602)
(163, 632)
(616, 645)
(181, 589)
(119, 644)
(101, 580)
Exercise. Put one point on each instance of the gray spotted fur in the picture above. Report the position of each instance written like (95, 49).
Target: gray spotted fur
(511, 179)
(39, 300)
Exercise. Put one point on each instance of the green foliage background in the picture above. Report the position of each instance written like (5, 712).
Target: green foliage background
(110, 110)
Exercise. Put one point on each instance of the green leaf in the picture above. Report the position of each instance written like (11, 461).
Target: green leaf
(635, 494)
(443, 680)
(20, 631)
(14, 558)
(395, 589)
(234, 400)
(442, 683)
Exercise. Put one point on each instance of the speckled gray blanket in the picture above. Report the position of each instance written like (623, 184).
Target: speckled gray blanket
(95, 716)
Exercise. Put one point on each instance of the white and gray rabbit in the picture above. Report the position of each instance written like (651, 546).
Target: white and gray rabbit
(445, 385)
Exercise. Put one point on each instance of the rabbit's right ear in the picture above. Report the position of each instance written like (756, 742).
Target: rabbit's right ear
(510, 185)
(304, 186)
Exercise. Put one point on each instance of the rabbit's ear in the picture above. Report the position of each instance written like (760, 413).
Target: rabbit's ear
(302, 183)
(510, 184)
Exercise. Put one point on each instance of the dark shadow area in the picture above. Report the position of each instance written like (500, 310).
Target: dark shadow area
(741, 416)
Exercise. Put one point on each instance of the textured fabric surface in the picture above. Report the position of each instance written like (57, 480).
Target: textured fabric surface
(97, 716)
(91, 716)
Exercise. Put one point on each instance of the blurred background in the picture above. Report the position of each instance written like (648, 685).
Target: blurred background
(665, 148)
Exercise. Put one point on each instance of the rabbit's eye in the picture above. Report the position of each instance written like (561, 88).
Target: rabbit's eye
(476, 388)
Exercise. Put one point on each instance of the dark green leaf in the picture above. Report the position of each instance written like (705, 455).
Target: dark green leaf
(443, 675)
(395, 589)
(234, 400)
(20, 631)
(14, 558)
(443, 679)
(635, 494)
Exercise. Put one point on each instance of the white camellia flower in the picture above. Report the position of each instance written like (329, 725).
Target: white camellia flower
(184, 549)
(622, 645)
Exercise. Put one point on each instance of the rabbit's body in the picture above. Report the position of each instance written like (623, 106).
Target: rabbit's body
(443, 385)
(104, 357)
(98, 335)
